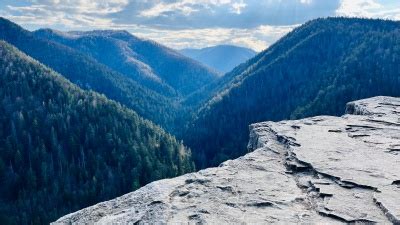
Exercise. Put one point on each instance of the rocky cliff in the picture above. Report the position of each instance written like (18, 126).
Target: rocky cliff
(326, 170)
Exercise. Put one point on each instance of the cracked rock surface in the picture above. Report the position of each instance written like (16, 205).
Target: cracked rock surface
(320, 170)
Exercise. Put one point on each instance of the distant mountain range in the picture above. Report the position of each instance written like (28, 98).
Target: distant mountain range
(153, 65)
(222, 58)
(143, 75)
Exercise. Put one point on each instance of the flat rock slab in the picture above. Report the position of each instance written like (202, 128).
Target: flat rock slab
(320, 170)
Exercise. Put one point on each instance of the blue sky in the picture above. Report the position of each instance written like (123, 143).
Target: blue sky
(191, 23)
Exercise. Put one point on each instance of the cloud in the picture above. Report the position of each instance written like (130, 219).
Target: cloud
(100, 7)
(187, 7)
(196, 14)
(238, 6)
(256, 38)
(358, 8)
(63, 14)
(191, 23)
(306, 1)
(385, 9)
(36, 16)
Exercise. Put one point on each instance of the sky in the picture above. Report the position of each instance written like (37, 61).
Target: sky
(191, 23)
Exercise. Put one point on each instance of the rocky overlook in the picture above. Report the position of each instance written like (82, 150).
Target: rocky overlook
(327, 170)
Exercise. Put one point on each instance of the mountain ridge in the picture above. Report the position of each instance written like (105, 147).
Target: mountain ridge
(117, 52)
(89, 74)
(89, 68)
(135, 57)
(222, 58)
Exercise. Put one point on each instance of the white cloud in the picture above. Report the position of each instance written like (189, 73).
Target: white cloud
(187, 7)
(83, 6)
(238, 6)
(256, 38)
(357, 8)
(41, 15)
(369, 9)
(65, 14)
(307, 2)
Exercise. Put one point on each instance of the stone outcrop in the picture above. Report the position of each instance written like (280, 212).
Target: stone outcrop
(326, 170)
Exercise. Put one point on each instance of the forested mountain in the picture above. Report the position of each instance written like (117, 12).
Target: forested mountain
(222, 58)
(62, 148)
(158, 67)
(90, 74)
(112, 52)
(314, 70)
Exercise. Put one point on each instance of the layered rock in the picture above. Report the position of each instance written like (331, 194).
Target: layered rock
(326, 170)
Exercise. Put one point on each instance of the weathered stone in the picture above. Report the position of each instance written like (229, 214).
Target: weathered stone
(323, 170)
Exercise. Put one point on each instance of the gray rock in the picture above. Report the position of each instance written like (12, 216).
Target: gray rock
(325, 170)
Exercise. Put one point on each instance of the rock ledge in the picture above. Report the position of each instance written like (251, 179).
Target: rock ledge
(326, 170)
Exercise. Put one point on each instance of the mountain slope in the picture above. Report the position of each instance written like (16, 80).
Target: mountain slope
(62, 148)
(222, 58)
(314, 70)
(90, 74)
(112, 52)
(158, 67)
